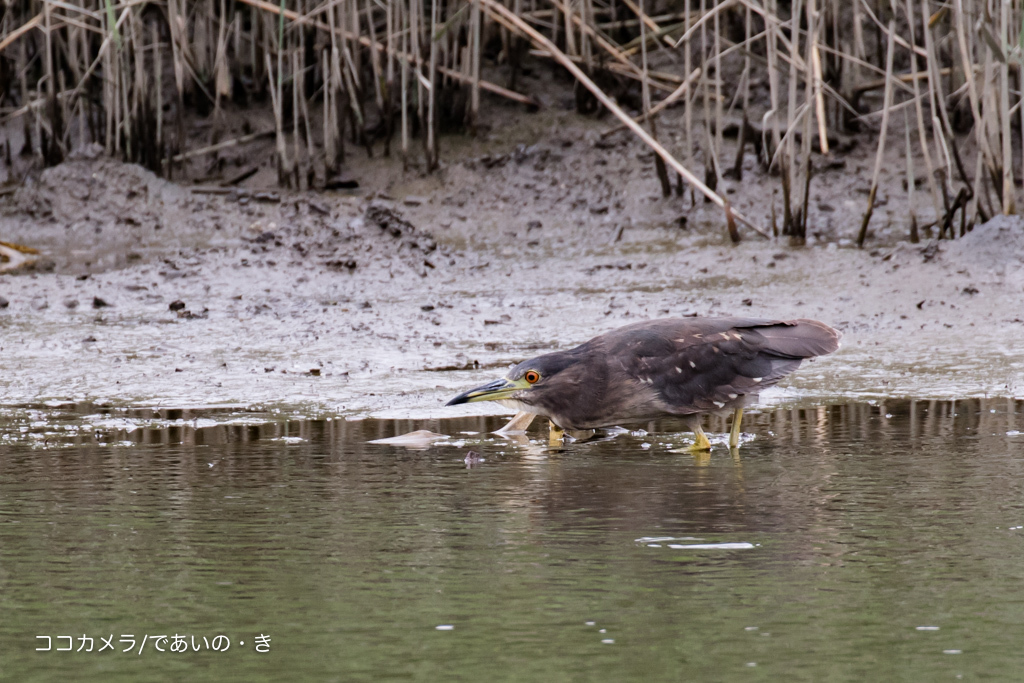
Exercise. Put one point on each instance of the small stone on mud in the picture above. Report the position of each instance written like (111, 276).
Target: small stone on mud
(4, 303)
(426, 307)
(341, 184)
(747, 302)
(99, 303)
(315, 372)
(319, 208)
(339, 264)
(970, 290)
(177, 305)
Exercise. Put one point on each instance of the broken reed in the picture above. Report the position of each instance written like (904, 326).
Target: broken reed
(381, 74)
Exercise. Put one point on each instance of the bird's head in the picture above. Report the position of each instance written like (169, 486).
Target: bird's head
(539, 385)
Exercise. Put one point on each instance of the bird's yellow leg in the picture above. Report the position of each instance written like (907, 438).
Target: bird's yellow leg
(555, 434)
(734, 433)
(701, 443)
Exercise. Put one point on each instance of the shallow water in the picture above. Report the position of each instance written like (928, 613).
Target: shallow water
(849, 542)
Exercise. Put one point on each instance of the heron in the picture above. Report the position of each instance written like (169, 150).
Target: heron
(671, 367)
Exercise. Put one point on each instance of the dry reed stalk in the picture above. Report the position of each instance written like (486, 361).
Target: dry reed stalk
(431, 138)
(390, 21)
(405, 86)
(282, 149)
(158, 68)
(659, 163)
(710, 170)
(586, 30)
(378, 75)
(919, 113)
(338, 95)
(474, 52)
(940, 116)
(496, 9)
(307, 126)
(719, 118)
(1004, 114)
(771, 29)
(798, 231)
(911, 182)
(330, 143)
(687, 109)
(790, 165)
(972, 90)
(747, 40)
(880, 153)
(296, 170)
(222, 85)
(989, 125)
(816, 76)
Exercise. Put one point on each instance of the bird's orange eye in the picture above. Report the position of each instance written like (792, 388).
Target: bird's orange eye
(532, 376)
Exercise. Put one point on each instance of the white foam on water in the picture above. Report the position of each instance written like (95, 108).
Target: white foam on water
(712, 546)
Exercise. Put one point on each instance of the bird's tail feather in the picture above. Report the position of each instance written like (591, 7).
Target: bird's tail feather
(800, 338)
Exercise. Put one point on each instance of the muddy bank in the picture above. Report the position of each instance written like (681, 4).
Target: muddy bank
(152, 294)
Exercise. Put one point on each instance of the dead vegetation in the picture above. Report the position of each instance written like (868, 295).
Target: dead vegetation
(943, 80)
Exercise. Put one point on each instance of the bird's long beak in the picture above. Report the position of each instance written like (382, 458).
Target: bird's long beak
(494, 391)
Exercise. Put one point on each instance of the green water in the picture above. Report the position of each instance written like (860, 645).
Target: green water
(865, 523)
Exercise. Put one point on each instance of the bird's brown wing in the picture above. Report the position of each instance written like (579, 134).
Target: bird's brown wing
(703, 365)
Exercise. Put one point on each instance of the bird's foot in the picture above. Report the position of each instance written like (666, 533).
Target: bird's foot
(555, 435)
(701, 442)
